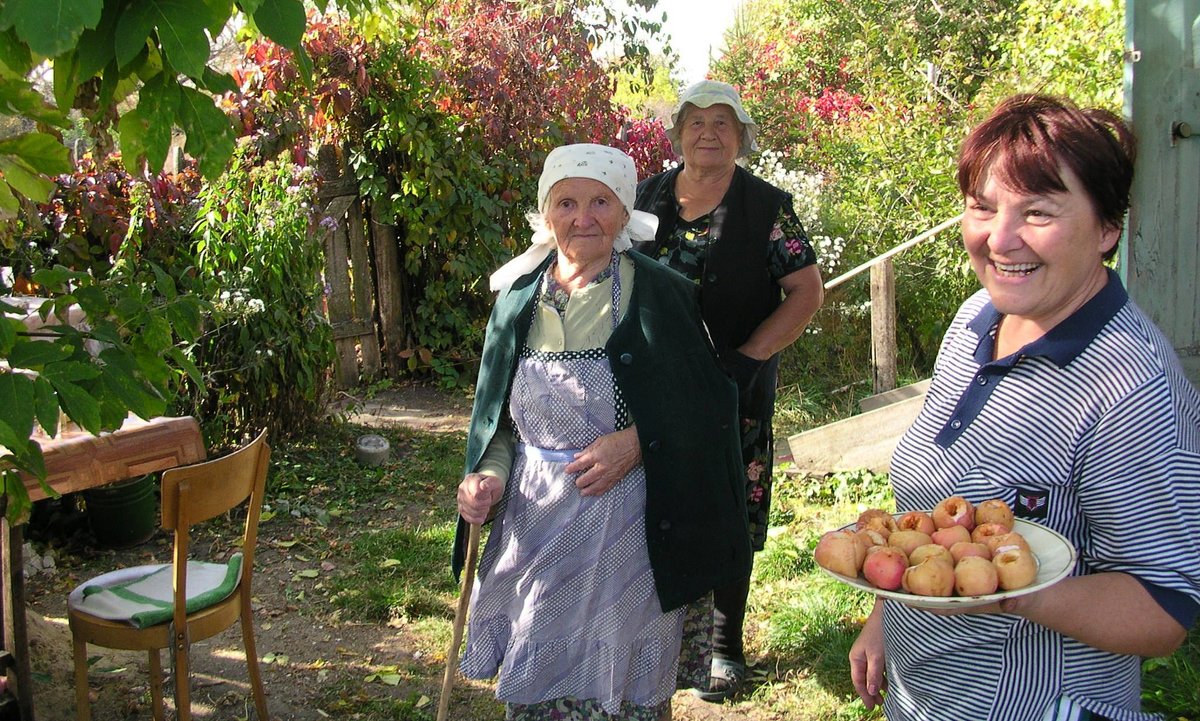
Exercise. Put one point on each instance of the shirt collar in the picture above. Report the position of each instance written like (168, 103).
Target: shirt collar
(1065, 341)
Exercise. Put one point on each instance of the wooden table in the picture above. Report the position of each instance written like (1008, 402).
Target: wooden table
(76, 461)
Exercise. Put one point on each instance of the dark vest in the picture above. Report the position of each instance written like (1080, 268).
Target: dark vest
(736, 289)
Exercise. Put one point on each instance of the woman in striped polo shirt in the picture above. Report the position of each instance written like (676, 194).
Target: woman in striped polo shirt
(1054, 392)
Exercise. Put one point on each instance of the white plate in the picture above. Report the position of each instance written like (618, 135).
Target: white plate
(1055, 555)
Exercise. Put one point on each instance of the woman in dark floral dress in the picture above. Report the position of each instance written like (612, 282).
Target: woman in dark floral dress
(740, 239)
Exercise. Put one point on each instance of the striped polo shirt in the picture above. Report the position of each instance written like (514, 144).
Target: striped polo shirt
(1092, 430)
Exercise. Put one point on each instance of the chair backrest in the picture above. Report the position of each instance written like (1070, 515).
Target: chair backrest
(193, 494)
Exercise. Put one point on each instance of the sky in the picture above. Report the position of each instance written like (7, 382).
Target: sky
(695, 27)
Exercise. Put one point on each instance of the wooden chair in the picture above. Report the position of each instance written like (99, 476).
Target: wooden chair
(190, 495)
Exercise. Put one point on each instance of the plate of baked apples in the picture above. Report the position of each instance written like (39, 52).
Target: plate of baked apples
(956, 555)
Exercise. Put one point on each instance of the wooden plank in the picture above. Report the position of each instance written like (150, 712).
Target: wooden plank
(865, 441)
(883, 325)
(389, 295)
(337, 275)
(343, 187)
(346, 373)
(879, 400)
(338, 305)
(353, 329)
(363, 291)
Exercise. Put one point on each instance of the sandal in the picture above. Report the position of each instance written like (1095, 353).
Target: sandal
(726, 678)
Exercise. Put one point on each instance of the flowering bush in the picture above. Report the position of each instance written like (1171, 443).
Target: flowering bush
(805, 189)
(263, 359)
(647, 143)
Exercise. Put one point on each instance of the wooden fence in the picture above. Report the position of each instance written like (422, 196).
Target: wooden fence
(363, 283)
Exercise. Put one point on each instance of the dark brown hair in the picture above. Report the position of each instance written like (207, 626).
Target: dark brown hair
(1028, 138)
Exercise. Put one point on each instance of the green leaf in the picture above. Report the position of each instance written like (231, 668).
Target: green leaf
(78, 403)
(29, 458)
(35, 354)
(92, 300)
(184, 316)
(219, 11)
(66, 78)
(182, 31)
(18, 506)
(146, 130)
(118, 84)
(97, 47)
(51, 27)
(132, 395)
(41, 151)
(15, 59)
(45, 405)
(187, 365)
(69, 372)
(209, 131)
(9, 328)
(18, 97)
(16, 409)
(54, 278)
(122, 375)
(9, 205)
(25, 180)
(281, 20)
(164, 283)
(132, 30)
(217, 83)
(155, 336)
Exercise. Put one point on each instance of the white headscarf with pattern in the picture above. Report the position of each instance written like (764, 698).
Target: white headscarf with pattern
(585, 160)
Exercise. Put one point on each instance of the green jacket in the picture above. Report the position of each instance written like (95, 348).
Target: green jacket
(685, 408)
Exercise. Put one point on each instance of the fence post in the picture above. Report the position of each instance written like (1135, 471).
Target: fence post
(883, 325)
(389, 292)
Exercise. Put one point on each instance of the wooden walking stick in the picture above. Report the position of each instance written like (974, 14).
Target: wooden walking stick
(460, 621)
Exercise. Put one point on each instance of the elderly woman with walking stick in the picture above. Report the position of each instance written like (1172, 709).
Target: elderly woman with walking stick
(603, 444)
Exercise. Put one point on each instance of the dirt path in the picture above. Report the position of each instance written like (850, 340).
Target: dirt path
(315, 665)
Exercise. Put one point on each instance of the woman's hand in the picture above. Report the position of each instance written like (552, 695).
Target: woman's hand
(476, 495)
(607, 460)
(866, 660)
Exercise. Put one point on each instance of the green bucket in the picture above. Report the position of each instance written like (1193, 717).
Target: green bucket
(124, 513)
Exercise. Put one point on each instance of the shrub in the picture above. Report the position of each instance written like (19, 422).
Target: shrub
(266, 351)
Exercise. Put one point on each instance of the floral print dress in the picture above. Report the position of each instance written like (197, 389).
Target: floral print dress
(789, 250)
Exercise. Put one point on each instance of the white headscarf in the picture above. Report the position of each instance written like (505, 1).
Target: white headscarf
(585, 160)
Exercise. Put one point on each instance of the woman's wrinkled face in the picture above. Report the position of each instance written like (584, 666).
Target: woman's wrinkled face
(1039, 256)
(710, 137)
(586, 217)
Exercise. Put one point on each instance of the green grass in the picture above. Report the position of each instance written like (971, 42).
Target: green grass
(399, 574)
(1171, 685)
(801, 623)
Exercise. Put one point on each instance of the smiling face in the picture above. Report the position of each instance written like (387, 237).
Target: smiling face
(710, 137)
(586, 217)
(1038, 255)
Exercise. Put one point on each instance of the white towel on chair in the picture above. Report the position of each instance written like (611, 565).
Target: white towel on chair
(144, 596)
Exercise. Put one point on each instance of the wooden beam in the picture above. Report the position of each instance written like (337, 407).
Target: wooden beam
(865, 441)
(883, 325)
